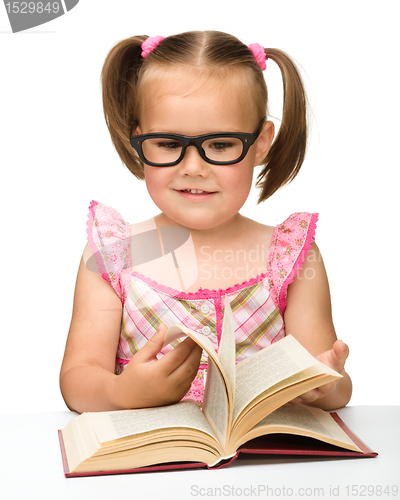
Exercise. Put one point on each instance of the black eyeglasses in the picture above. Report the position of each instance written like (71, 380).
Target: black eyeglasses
(167, 150)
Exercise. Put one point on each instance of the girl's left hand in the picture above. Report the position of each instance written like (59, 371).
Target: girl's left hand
(335, 358)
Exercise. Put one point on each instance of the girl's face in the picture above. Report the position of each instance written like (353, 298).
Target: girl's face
(191, 107)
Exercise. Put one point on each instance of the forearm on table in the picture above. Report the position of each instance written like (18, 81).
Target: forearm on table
(89, 388)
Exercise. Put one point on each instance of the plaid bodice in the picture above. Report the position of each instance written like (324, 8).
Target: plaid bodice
(257, 305)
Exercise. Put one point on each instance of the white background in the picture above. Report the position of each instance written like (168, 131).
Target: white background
(56, 156)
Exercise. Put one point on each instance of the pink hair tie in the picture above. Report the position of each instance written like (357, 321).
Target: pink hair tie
(150, 44)
(259, 54)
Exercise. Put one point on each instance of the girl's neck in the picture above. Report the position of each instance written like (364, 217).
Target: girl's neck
(219, 235)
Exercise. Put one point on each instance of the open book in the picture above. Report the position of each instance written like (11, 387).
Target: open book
(241, 402)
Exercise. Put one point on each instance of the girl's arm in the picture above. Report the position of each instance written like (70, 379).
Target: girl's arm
(308, 317)
(87, 378)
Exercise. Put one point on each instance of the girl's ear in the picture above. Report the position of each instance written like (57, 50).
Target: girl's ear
(264, 141)
(138, 130)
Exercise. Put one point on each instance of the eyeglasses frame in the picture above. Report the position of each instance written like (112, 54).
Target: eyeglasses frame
(248, 139)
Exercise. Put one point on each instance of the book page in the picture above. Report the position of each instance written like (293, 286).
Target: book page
(218, 394)
(309, 419)
(269, 366)
(215, 404)
(227, 346)
(113, 425)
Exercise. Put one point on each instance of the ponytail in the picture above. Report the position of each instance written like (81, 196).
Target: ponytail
(287, 152)
(119, 81)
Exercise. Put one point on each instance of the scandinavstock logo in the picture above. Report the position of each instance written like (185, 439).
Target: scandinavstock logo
(26, 15)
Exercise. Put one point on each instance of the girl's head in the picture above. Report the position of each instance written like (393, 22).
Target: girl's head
(208, 64)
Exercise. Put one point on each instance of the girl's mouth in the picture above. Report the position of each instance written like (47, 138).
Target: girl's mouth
(196, 194)
(195, 191)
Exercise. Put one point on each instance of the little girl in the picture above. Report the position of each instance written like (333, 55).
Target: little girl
(187, 114)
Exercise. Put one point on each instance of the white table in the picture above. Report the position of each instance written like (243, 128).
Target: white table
(31, 467)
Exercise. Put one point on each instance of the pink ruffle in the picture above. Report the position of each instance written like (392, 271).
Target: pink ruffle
(89, 231)
(202, 293)
(109, 239)
(291, 242)
(299, 262)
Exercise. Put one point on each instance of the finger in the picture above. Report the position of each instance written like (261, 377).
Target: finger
(325, 389)
(153, 346)
(313, 395)
(187, 370)
(174, 358)
(296, 401)
(310, 396)
(338, 355)
(341, 350)
(306, 398)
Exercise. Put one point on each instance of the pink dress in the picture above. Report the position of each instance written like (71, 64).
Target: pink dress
(258, 304)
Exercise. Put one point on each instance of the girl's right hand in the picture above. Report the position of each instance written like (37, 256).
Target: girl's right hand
(147, 381)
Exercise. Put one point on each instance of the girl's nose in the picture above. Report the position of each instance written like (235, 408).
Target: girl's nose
(193, 164)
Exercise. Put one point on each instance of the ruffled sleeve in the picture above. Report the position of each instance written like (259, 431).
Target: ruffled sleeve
(109, 239)
(290, 244)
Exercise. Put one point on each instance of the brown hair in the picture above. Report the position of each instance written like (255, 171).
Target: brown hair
(215, 54)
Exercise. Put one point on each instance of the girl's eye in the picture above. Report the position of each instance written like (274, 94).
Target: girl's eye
(220, 146)
(169, 145)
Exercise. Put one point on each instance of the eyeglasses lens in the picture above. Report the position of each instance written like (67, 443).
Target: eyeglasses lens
(160, 150)
(157, 150)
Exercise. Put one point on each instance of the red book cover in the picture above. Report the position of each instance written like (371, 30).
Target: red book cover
(272, 444)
